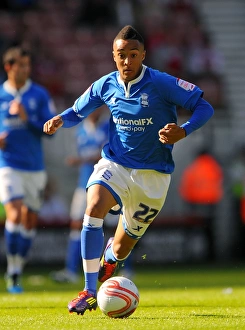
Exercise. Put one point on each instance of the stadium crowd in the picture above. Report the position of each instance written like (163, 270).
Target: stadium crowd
(177, 41)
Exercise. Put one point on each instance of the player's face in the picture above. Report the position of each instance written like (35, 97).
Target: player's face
(128, 55)
(20, 70)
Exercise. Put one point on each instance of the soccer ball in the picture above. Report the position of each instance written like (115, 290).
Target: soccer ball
(118, 297)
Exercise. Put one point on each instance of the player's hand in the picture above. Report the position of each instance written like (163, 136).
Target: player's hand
(52, 125)
(73, 161)
(16, 108)
(3, 137)
(171, 133)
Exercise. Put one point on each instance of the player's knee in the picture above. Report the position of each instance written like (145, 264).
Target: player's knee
(96, 210)
(13, 215)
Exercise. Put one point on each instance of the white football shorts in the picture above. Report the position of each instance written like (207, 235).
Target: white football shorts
(140, 193)
(26, 185)
(78, 204)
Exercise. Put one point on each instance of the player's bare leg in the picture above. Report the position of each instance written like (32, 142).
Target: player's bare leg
(119, 247)
(123, 244)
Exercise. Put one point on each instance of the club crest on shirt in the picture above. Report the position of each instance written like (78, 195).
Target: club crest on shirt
(32, 103)
(185, 84)
(144, 100)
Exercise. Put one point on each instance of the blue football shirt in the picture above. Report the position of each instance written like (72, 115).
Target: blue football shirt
(138, 111)
(23, 148)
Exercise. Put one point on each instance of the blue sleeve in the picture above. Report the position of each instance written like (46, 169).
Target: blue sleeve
(70, 118)
(202, 112)
(176, 91)
(83, 106)
(90, 100)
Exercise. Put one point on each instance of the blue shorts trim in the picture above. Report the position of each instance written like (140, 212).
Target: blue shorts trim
(12, 199)
(115, 195)
(129, 233)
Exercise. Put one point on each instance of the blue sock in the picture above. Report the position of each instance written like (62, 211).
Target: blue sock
(92, 240)
(111, 259)
(73, 257)
(11, 241)
(24, 245)
(109, 256)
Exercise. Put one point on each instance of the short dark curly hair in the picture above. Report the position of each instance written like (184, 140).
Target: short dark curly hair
(129, 32)
(11, 54)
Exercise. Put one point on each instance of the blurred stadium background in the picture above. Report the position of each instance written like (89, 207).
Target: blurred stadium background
(201, 41)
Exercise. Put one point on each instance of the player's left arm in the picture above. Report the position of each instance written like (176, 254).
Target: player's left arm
(201, 113)
(171, 133)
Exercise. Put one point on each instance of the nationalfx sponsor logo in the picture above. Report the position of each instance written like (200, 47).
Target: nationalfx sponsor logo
(136, 122)
(185, 85)
(132, 125)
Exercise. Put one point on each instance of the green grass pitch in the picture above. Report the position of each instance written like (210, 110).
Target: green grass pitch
(175, 297)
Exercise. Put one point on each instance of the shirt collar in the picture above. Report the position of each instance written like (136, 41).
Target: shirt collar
(132, 82)
(11, 90)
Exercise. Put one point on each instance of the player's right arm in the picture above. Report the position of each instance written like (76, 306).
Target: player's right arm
(82, 107)
(67, 118)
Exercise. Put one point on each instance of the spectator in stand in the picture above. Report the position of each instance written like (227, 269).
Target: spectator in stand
(201, 187)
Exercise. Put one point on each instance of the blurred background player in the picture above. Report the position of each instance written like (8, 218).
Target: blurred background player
(91, 135)
(25, 106)
(54, 210)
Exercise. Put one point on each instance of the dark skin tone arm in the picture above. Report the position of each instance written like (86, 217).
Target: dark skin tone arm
(171, 133)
